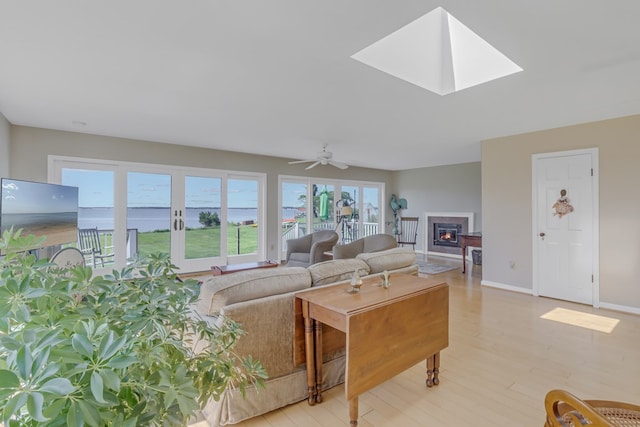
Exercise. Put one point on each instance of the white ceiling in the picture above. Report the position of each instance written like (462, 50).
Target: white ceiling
(275, 77)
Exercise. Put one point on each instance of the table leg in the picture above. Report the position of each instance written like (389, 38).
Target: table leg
(353, 412)
(317, 326)
(433, 369)
(309, 352)
(464, 256)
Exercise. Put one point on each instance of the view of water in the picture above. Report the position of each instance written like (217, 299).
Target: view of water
(149, 219)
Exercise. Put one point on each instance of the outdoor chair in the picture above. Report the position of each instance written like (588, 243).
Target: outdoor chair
(566, 410)
(91, 247)
(310, 249)
(408, 231)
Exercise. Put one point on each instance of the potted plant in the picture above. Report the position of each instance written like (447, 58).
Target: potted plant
(124, 349)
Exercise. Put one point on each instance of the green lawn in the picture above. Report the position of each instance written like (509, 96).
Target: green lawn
(202, 242)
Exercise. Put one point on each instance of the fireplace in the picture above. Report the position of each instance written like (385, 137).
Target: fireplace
(443, 232)
(446, 234)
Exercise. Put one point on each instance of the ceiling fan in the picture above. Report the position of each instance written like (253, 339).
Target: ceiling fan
(323, 158)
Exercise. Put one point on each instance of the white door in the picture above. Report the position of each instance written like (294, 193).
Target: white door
(565, 250)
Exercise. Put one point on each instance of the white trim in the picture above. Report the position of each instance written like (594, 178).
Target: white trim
(594, 152)
(603, 305)
(505, 287)
(622, 308)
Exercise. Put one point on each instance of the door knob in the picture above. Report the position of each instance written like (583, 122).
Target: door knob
(542, 234)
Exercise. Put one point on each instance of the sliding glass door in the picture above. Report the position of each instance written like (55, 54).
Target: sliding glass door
(148, 214)
(200, 217)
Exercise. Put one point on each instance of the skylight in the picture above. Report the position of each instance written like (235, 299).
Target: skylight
(438, 53)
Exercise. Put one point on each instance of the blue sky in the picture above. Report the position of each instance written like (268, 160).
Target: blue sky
(154, 190)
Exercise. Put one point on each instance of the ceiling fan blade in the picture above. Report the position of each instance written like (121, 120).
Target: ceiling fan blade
(301, 161)
(339, 165)
(313, 165)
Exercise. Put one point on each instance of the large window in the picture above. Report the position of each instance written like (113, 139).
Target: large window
(200, 217)
(311, 204)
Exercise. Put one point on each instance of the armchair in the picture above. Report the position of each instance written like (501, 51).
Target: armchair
(309, 249)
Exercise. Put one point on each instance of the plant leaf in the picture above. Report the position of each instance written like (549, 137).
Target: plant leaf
(82, 345)
(104, 345)
(9, 383)
(59, 386)
(111, 379)
(14, 404)
(34, 405)
(97, 387)
(89, 413)
(121, 362)
(74, 416)
(24, 361)
(29, 336)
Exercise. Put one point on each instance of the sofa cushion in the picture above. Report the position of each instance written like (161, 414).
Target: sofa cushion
(219, 291)
(336, 270)
(390, 259)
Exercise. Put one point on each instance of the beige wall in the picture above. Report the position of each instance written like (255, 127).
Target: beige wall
(452, 188)
(4, 146)
(507, 204)
(31, 146)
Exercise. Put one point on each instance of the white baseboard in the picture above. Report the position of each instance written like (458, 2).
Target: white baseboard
(506, 287)
(603, 305)
(622, 308)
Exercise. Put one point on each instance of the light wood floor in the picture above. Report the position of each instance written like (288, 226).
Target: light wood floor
(501, 360)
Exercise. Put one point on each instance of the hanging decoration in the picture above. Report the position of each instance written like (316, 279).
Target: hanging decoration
(324, 204)
(562, 206)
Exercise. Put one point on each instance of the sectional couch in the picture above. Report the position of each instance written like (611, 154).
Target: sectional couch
(263, 302)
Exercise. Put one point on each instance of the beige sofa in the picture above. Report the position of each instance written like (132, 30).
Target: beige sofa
(263, 302)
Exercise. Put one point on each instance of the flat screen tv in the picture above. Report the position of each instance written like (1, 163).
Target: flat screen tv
(41, 209)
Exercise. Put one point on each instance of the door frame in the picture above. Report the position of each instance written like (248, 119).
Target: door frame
(594, 211)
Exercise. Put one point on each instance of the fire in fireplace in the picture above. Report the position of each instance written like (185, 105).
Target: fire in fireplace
(446, 234)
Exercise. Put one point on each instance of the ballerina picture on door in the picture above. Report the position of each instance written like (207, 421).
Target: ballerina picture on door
(562, 206)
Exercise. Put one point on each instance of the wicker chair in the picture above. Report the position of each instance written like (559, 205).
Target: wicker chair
(566, 410)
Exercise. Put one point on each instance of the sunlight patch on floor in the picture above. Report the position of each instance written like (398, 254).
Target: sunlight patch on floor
(583, 320)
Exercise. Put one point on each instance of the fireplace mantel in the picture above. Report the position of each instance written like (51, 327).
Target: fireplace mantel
(465, 219)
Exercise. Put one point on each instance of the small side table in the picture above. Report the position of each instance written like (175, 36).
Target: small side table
(470, 239)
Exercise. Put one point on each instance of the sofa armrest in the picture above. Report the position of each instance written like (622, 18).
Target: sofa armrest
(318, 249)
(268, 326)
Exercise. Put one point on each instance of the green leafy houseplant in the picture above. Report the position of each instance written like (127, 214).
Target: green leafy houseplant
(123, 349)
